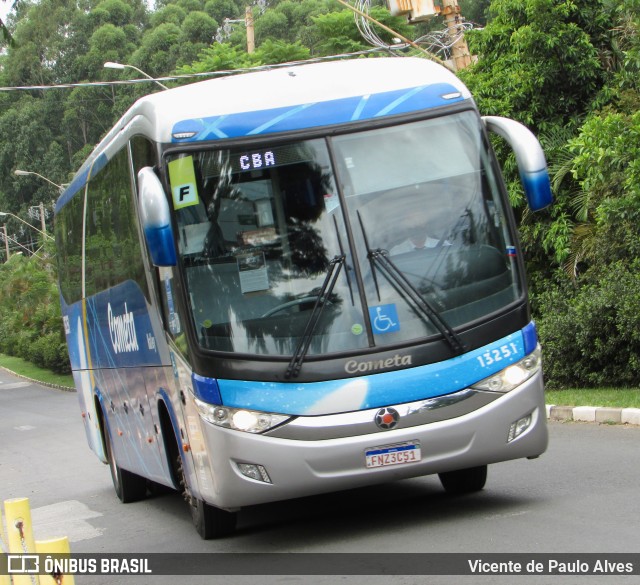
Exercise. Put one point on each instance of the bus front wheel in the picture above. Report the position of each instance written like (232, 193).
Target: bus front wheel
(209, 521)
(212, 522)
(464, 481)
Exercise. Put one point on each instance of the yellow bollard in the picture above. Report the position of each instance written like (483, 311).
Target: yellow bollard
(4, 547)
(20, 535)
(55, 546)
(3, 538)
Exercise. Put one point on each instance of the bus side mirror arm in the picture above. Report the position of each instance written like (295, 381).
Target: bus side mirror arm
(156, 218)
(532, 164)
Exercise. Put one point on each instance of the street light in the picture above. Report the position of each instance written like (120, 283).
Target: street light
(121, 67)
(25, 173)
(45, 234)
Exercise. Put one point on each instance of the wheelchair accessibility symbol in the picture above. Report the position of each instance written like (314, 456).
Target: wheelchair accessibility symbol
(384, 319)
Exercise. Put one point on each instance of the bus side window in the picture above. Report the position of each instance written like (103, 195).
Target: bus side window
(160, 281)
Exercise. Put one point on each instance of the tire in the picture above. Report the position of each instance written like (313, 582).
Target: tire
(464, 481)
(129, 486)
(211, 522)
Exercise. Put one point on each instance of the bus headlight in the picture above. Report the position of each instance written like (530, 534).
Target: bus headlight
(239, 419)
(514, 375)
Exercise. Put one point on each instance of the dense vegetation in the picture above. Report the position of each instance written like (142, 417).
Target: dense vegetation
(568, 69)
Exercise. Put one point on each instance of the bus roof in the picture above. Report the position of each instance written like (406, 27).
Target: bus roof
(280, 99)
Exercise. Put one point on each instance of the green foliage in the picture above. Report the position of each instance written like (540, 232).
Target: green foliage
(475, 11)
(334, 33)
(221, 9)
(218, 57)
(30, 318)
(107, 43)
(115, 12)
(568, 70)
(271, 25)
(199, 27)
(172, 13)
(606, 165)
(590, 330)
(158, 51)
(538, 59)
(274, 52)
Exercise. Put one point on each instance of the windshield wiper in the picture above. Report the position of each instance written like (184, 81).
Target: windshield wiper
(379, 259)
(293, 369)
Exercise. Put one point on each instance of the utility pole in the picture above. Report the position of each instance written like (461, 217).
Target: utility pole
(42, 219)
(421, 10)
(248, 22)
(460, 50)
(6, 240)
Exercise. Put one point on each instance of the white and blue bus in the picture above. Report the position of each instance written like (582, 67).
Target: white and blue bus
(301, 280)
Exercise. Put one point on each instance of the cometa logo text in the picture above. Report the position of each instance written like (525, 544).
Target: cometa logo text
(356, 367)
(122, 331)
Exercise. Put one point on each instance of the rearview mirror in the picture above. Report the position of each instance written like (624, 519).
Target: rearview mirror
(532, 164)
(156, 218)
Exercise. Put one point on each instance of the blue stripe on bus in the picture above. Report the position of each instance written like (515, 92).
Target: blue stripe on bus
(326, 113)
(377, 390)
(120, 333)
(530, 336)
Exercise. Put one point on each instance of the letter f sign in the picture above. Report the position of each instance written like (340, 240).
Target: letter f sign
(185, 195)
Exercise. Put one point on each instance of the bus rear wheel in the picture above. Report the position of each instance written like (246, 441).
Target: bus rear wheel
(464, 481)
(129, 487)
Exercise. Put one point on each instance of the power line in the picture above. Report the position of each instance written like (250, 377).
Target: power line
(188, 75)
(91, 83)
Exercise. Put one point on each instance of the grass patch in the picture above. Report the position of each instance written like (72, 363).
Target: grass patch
(609, 397)
(25, 368)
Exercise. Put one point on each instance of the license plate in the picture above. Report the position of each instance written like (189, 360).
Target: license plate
(397, 454)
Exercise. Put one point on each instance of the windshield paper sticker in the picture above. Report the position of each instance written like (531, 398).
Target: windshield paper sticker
(183, 182)
(253, 272)
(331, 202)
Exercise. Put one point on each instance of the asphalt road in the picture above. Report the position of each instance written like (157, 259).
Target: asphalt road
(582, 496)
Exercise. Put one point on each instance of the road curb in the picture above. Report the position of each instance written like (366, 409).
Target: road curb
(45, 384)
(599, 414)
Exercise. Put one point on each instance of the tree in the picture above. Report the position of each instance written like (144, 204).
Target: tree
(221, 9)
(157, 52)
(539, 60)
(5, 33)
(334, 33)
(273, 24)
(107, 43)
(475, 11)
(273, 52)
(198, 32)
(30, 317)
(218, 57)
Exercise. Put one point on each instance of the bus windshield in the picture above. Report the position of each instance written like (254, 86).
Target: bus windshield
(406, 222)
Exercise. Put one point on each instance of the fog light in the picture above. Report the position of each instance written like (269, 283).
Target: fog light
(519, 427)
(253, 471)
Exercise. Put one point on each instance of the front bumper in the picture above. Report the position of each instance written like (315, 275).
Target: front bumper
(315, 464)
